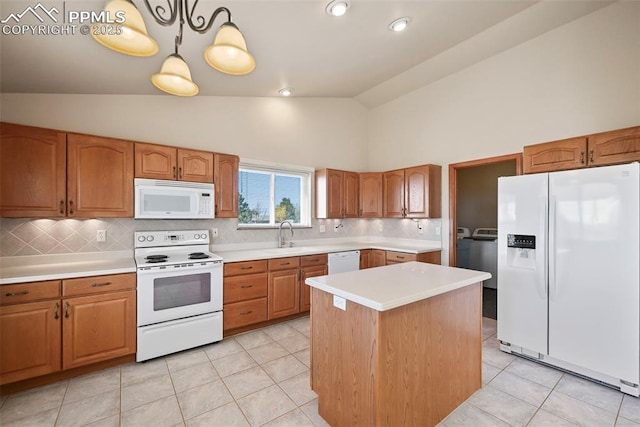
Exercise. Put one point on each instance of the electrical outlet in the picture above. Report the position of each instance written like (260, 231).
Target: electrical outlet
(437, 231)
(335, 228)
(101, 236)
(323, 228)
(214, 232)
(420, 230)
(340, 303)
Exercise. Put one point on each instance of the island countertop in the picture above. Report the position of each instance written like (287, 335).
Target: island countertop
(392, 286)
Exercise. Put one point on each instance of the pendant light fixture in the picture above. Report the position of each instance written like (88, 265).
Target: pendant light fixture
(174, 76)
(228, 53)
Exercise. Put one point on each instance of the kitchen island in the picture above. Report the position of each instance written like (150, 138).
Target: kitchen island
(395, 345)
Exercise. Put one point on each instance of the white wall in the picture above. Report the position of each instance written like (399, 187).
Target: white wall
(317, 132)
(583, 77)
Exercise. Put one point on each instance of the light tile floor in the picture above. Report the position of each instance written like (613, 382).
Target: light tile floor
(261, 378)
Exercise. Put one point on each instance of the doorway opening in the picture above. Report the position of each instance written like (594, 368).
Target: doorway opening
(473, 206)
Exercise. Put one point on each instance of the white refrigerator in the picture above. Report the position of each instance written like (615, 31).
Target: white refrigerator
(569, 271)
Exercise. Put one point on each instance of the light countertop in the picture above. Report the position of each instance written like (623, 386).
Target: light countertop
(392, 286)
(321, 247)
(35, 268)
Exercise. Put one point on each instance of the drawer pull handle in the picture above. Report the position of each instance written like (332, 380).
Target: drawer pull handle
(246, 268)
(97, 285)
(246, 286)
(62, 206)
(314, 260)
(66, 310)
(180, 172)
(590, 156)
(14, 294)
(174, 173)
(582, 157)
(285, 263)
(400, 257)
(246, 312)
(71, 207)
(56, 314)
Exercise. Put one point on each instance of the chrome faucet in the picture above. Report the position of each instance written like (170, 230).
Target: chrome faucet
(281, 237)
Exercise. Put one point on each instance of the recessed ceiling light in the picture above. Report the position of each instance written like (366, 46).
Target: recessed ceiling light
(399, 24)
(287, 91)
(338, 7)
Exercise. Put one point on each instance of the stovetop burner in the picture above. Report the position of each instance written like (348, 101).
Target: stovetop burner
(198, 255)
(156, 260)
(156, 257)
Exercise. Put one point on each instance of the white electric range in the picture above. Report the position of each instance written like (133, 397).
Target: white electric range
(179, 292)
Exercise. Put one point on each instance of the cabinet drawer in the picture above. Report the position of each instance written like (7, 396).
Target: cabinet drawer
(27, 292)
(284, 263)
(98, 284)
(242, 288)
(244, 313)
(245, 267)
(400, 257)
(309, 260)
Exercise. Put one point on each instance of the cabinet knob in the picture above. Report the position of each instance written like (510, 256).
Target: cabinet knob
(70, 207)
(62, 206)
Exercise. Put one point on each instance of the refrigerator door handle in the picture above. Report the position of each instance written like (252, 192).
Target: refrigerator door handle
(553, 286)
(543, 273)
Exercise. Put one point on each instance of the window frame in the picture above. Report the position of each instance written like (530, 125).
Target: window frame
(306, 174)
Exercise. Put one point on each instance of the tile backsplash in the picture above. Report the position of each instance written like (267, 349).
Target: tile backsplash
(23, 236)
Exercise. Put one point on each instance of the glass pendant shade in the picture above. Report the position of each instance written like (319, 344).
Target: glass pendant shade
(175, 78)
(134, 39)
(228, 53)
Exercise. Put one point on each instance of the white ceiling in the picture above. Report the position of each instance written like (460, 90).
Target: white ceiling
(295, 43)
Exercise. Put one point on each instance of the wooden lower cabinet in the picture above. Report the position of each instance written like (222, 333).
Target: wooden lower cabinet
(365, 258)
(30, 340)
(245, 313)
(393, 257)
(305, 291)
(378, 258)
(98, 327)
(284, 293)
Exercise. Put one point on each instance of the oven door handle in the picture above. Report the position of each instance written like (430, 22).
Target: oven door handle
(170, 271)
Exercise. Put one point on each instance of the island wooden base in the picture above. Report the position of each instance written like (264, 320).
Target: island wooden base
(410, 366)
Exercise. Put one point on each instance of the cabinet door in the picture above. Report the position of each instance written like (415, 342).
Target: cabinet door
(620, 146)
(29, 340)
(393, 257)
(98, 327)
(99, 177)
(556, 155)
(305, 290)
(335, 194)
(378, 258)
(32, 172)
(365, 258)
(195, 166)
(393, 194)
(422, 191)
(370, 195)
(226, 184)
(351, 187)
(284, 293)
(155, 161)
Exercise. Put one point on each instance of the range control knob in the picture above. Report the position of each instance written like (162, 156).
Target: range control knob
(141, 239)
(150, 239)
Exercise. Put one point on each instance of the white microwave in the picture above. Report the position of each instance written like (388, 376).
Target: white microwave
(156, 198)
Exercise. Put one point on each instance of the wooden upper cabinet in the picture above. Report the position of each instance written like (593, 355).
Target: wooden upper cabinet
(155, 161)
(393, 193)
(195, 166)
(370, 195)
(350, 190)
(336, 194)
(226, 185)
(163, 162)
(422, 186)
(99, 177)
(32, 172)
(554, 156)
(619, 146)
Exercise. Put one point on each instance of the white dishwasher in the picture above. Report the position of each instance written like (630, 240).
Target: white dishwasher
(341, 262)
